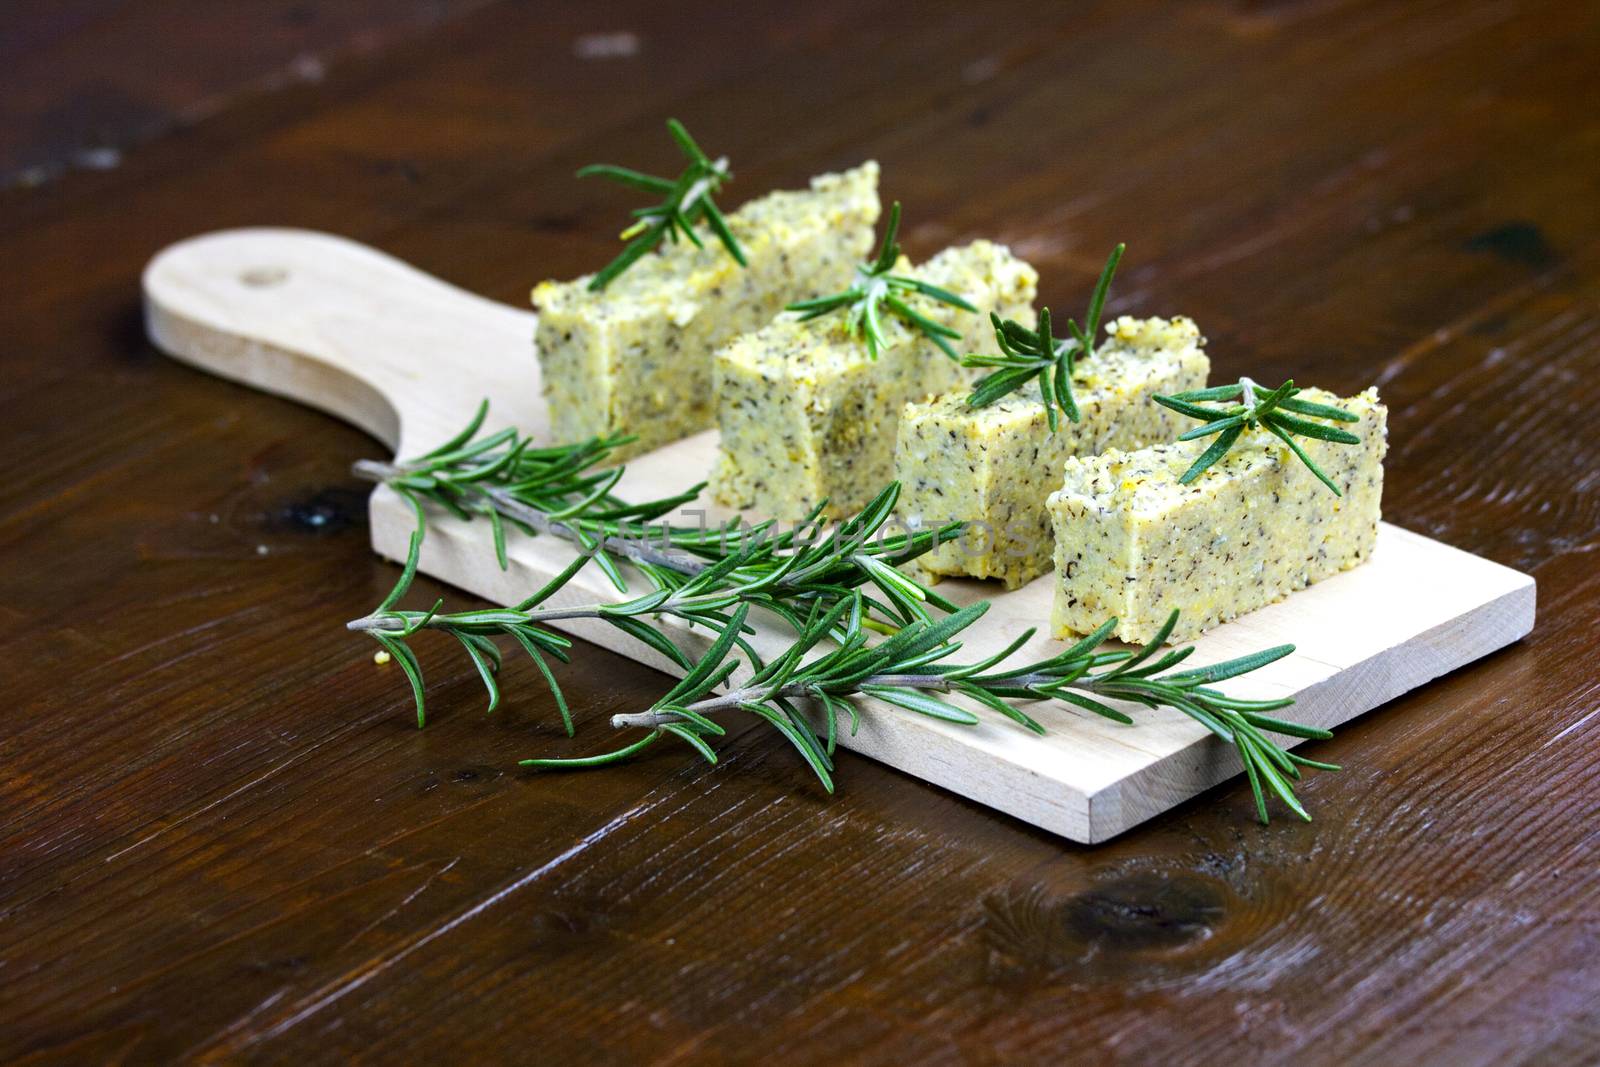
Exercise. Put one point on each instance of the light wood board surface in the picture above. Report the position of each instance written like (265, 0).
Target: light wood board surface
(358, 334)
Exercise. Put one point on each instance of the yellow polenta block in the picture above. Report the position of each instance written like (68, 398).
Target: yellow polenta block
(806, 414)
(1133, 543)
(994, 467)
(635, 358)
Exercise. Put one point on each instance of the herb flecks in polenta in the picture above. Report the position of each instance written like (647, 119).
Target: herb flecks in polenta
(1276, 411)
(1134, 540)
(806, 413)
(688, 201)
(993, 467)
(875, 284)
(1026, 354)
(635, 358)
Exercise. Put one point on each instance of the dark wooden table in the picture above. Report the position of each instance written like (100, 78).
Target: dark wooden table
(224, 837)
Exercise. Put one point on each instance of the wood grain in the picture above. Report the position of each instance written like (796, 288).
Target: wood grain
(224, 839)
(348, 330)
(82, 87)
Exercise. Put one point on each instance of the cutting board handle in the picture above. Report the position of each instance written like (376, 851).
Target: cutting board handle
(346, 329)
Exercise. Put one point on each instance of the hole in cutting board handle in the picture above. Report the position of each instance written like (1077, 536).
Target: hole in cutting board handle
(264, 277)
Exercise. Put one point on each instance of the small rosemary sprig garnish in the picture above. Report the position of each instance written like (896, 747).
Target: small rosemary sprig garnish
(874, 285)
(908, 671)
(1273, 411)
(1036, 353)
(688, 201)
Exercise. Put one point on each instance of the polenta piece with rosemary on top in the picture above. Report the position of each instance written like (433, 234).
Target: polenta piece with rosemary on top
(628, 350)
(808, 405)
(993, 467)
(1286, 493)
(990, 459)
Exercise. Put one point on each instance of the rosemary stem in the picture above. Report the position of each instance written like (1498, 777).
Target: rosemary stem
(398, 623)
(508, 505)
(373, 470)
(718, 173)
(733, 698)
(726, 702)
(368, 623)
(637, 551)
(1248, 392)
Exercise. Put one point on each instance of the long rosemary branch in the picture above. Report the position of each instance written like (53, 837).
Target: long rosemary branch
(497, 498)
(908, 669)
(566, 491)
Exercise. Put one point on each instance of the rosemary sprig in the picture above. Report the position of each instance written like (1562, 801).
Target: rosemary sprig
(688, 201)
(564, 491)
(1276, 411)
(1026, 354)
(909, 670)
(785, 576)
(875, 289)
(695, 574)
(704, 599)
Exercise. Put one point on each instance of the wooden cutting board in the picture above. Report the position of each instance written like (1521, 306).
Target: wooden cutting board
(360, 335)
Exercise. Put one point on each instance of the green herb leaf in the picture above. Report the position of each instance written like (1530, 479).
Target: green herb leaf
(688, 201)
(875, 289)
(1269, 411)
(1037, 354)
